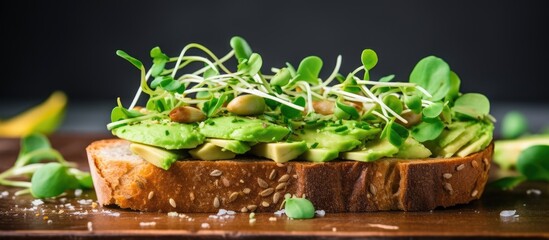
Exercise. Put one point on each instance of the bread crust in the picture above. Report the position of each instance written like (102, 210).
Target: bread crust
(125, 180)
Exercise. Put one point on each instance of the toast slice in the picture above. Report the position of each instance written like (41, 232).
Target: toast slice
(124, 179)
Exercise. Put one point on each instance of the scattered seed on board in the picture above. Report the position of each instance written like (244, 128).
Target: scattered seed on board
(244, 210)
(474, 193)
(281, 186)
(276, 197)
(216, 202)
(216, 173)
(262, 183)
(266, 192)
(474, 164)
(233, 196)
(448, 187)
(447, 175)
(246, 190)
(284, 178)
(460, 167)
(272, 175)
(151, 195)
(172, 202)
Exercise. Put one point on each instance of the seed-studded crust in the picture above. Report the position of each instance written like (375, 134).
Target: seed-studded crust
(123, 179)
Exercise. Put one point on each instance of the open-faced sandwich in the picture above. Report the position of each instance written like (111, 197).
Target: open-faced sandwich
(210, 137)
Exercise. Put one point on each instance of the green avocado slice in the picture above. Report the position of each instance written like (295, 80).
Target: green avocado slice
(164, 135)
(243, 129)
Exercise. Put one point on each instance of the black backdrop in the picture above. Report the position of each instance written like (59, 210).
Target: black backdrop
(499, 47)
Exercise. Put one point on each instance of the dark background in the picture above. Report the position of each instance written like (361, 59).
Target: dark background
(499, 48)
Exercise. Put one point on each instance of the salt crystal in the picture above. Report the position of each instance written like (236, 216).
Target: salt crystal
(173, 214)
(280, 212)
(507, 213)
(320, 213)
(37, 202)
(230, 212)
(90, 226)
(536, 192)
(147, 224)
(221, 212)
(5, 193)
(205, 225)
(78, 192)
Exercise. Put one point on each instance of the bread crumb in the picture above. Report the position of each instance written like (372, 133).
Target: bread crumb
(205, 225)
(334, 229)
(173, 214)
(50, 221)
(272, 219)
(252, 221)
(90, 226)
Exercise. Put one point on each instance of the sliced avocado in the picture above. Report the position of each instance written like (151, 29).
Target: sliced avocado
(243, 129)
(453, 132)
(161, 134)
(469, 134)
(319, 155)
(372, 151)
(506, 152)
(339, 137)
(235, 146)
(411, 148)
(281, 151)
(159, 157)
(210, 151)
(476, 145)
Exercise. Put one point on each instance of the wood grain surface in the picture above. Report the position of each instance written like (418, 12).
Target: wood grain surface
(77, 216)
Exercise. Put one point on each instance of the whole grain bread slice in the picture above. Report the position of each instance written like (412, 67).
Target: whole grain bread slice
(124, 179)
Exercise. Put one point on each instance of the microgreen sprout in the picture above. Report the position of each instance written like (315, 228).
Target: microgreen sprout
(290, 93)
(48, 179)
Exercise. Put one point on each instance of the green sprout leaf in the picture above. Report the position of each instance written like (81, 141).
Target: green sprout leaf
(299, 208)
(159, 61)
(290, 112)
(433, 110)
(281, 78)
(514, 125)
(251, 65)
(395, 133)
(387, 78)
(533, 163)
(212, 107)
(393, 102)
(241, 48)
(51, 180)
(309, 69)
(369, 60)
(473, 105)
(344, 111)
(350, 84)
(31, 143)
(428, 129)
(507, 183)
(455, 83)
(433, 74)
(138, 64)
(413, 103)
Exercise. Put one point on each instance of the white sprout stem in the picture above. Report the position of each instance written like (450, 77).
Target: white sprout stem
(309, 95)
(358, 70)
(262, 83)
(218, 62)
(27, 169)
(262, 94)
(111, 125)
(358, 98)
(332, 76)
(380, 115)
(275, 70)
(139, 90)
(383, 106)
(192, 90)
